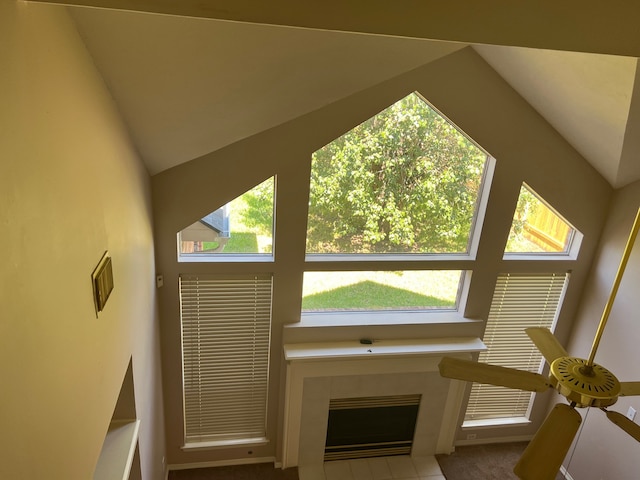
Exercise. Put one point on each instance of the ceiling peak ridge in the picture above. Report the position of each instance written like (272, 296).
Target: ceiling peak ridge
(568, 27)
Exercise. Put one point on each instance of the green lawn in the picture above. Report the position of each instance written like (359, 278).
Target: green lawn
(369, 295)
(380, 290)
(242, 242)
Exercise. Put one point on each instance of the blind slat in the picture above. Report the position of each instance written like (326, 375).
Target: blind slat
(519, 301)
(226, 327)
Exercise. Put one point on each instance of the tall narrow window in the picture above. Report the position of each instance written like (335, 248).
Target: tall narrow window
(226, 322)
(519, 301)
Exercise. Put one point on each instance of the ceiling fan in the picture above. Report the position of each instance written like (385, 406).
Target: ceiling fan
(582, 382)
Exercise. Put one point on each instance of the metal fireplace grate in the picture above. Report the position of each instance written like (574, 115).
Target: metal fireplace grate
(371, 426)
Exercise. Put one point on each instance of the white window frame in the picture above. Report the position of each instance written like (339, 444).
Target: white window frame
(234, 257)
(394, 262)
(326, 262)
(573, 247)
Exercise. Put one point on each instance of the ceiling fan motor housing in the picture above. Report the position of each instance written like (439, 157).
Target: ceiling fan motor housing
(584, 385)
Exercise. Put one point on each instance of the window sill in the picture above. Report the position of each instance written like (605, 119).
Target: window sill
(226, 258)
(387, 257)
(548, 256)
(496, 423)
(382, 348)
(247, 442)
(118, 450)
(341, 319)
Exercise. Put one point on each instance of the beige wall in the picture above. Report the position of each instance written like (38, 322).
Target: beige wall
(466, 89)
(602, 449)
(71, 187)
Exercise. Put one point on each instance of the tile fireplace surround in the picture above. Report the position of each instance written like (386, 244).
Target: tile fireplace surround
(318, 372)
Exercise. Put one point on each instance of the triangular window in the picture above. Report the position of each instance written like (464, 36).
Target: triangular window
(406, 181)
(242, 226)
(537, 228)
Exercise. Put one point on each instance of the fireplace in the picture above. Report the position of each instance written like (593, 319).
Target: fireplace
(371, 426)
(320, 373)
(319, 393)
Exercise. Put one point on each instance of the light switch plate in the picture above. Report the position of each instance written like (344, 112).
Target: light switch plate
(631, 413)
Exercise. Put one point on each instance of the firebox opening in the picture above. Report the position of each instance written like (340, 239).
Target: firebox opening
(371, 426)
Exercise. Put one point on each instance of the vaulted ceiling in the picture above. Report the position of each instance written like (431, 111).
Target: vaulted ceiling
(190, 77)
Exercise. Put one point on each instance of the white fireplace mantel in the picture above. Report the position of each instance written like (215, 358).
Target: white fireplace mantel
(353, 358)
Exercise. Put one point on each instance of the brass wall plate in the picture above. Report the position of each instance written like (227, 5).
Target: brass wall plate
(102, 279)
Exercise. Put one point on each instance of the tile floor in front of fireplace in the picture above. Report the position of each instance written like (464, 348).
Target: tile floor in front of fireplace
(402, 467)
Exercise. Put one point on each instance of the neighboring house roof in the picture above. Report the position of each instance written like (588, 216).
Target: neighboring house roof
(218, 221)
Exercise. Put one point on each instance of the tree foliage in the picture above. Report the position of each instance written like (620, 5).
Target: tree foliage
(258, 213)
(404, 181)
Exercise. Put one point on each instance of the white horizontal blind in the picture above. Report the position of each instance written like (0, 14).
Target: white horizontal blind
(226, 323)
(519, 301)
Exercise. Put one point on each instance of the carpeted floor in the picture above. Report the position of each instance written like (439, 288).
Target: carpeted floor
(483, 462)
(477, 462)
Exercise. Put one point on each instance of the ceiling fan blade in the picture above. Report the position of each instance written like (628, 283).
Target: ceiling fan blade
(547, 343)
(628, 389)
(492, 374)
(544, 455)
(629, 426)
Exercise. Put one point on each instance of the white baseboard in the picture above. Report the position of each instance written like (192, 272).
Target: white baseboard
(222, 463)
